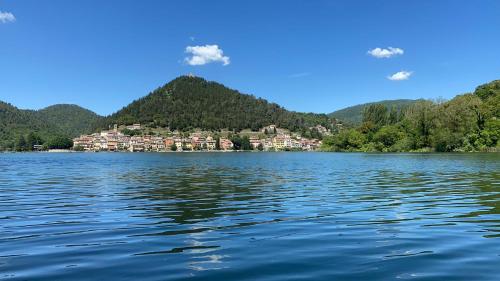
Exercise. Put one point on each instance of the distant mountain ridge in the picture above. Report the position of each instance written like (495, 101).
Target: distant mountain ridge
(61, 119)
(354, 114)
(187, 103)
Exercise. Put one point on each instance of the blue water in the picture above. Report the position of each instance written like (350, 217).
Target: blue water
(249, 216)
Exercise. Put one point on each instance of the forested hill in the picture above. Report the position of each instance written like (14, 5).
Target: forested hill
(353, 115)
(468, 122)
(57, 120)
(191, 102)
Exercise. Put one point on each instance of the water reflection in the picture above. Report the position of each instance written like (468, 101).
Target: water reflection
(255, 216)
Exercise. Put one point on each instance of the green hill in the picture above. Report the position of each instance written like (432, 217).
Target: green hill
(489, 93)
(192, 102)
(57, 120)
(354, 114)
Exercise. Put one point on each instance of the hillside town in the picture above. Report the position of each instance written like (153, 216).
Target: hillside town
(129, 139)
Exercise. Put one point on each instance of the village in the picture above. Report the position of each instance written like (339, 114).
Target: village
(131, 139)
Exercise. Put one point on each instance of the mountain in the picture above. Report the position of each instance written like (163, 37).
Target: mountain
(190, 102)
(63, 120)
(354, 114)
(69, 119)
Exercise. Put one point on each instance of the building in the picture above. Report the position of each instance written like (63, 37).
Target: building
(211, 143)
(255, 142)
(134, 127)
(225, 144)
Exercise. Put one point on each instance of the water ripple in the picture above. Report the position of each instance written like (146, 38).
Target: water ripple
(249, 216)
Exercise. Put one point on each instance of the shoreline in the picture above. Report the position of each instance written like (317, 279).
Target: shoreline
(61, 151)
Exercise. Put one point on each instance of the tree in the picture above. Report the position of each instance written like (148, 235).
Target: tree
(173, 147)
(260, 147)
(422, 120)
(33, 139)
(245, 143)
(349, 140)
(21, 144)
(375, 114)
(393, 116)
(388, 135)
(217, 143)
(60, 142)
(237, 142)
(78, 148)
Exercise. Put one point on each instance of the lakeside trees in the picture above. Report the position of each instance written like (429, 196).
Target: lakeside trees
(468, 122)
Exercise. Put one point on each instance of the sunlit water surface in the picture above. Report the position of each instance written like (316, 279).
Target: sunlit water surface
(249, 216)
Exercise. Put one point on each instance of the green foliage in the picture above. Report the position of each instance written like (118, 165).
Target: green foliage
(78, 148)
(217, 143)
(237, 142)
(190, 102)
(245, 143)
(21, 144)
(468, 122)
(354, 115)
(375, 114)
(65, 120)
(59, 142)
(490, 95)
(33, 139)
(388, 135)
(129, 132)
(346, 140)
(173, 147)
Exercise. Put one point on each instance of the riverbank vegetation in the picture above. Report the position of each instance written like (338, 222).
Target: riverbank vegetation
(468, 122)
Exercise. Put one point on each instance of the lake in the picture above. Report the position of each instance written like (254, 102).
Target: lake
(249, 216)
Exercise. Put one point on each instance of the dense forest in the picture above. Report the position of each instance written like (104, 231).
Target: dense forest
(192, 102)
(45, 126)
(468, 122)
(353, 115)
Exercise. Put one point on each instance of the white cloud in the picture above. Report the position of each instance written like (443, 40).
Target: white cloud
(6, 17)
(385, 53)
(201, 55)
(399, 76)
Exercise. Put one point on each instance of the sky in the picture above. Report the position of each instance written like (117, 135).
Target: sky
(312, 56)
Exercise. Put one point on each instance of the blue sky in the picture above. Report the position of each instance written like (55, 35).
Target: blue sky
(304, 55)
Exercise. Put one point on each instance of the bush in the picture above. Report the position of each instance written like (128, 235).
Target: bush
(59, 143)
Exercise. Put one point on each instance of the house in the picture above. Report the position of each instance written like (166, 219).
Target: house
(178, 143)
(186, 144)
(225, 144)
(136, 144)
(279, 143)
(255, 142)
(134, 127)
(271, 129)
(169, 142)
(210, 143)
(84, 141)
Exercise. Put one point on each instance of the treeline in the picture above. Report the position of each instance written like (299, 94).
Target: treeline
(190, 102)
(58, 121)
(33, 142)
(468, 122)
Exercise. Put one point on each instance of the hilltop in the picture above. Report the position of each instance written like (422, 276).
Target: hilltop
(57, 120)
(191, 102)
